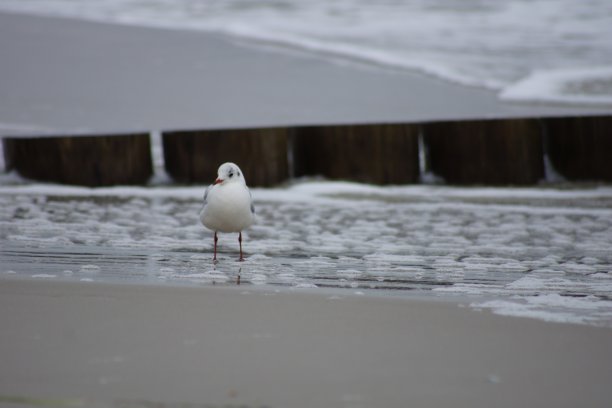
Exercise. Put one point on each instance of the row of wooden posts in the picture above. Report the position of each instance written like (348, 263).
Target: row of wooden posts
(483, 152)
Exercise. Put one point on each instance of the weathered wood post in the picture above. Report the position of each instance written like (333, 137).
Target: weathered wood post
(194, 156)
(380, 154)
(100, 160)
(497, 152)
(580, 148)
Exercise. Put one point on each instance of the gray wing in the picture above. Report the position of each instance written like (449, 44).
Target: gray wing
(252, 206)
(206, 195)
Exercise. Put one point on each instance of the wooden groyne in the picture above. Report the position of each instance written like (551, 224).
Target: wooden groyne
(466, 152)
(580, 148)
(194, 156)
(379, 154)
(100, 160)
(495, 152)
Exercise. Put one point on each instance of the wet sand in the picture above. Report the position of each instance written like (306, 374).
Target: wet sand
(68, 75)
(129, 345)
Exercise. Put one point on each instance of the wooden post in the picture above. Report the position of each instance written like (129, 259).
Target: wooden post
(381, 154)
(195, 156)
(82, 160)
(497, 152)
(580, 148)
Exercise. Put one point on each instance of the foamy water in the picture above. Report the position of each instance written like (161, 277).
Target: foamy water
(541, 252)
(527, 50)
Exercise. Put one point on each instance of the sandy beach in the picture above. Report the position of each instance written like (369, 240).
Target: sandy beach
(67, 75)
(108, 345)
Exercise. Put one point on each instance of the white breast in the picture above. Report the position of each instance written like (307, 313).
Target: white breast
(228, 208)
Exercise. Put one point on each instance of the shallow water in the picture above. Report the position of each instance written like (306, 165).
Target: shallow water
(538, 252)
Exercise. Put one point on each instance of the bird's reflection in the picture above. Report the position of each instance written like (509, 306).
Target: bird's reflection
(237, 280)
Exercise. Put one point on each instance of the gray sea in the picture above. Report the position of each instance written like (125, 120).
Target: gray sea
(557, 51)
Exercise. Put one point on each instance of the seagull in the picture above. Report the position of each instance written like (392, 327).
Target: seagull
(228, 204)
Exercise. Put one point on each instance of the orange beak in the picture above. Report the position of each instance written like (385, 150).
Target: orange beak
(217, 181)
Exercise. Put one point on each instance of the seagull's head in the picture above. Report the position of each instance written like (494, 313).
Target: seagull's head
(229, 173)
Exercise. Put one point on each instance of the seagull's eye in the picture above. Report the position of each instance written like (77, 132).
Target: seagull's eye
(231, 175)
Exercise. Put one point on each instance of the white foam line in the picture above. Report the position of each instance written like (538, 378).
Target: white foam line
(310, 193)
(552, 86)
(130, 192)
(332, 187)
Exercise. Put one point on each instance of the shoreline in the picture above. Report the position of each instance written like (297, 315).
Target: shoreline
(474, 303)
(268, 289)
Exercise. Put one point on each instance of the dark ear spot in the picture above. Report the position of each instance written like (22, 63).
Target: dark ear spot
(238, 174)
